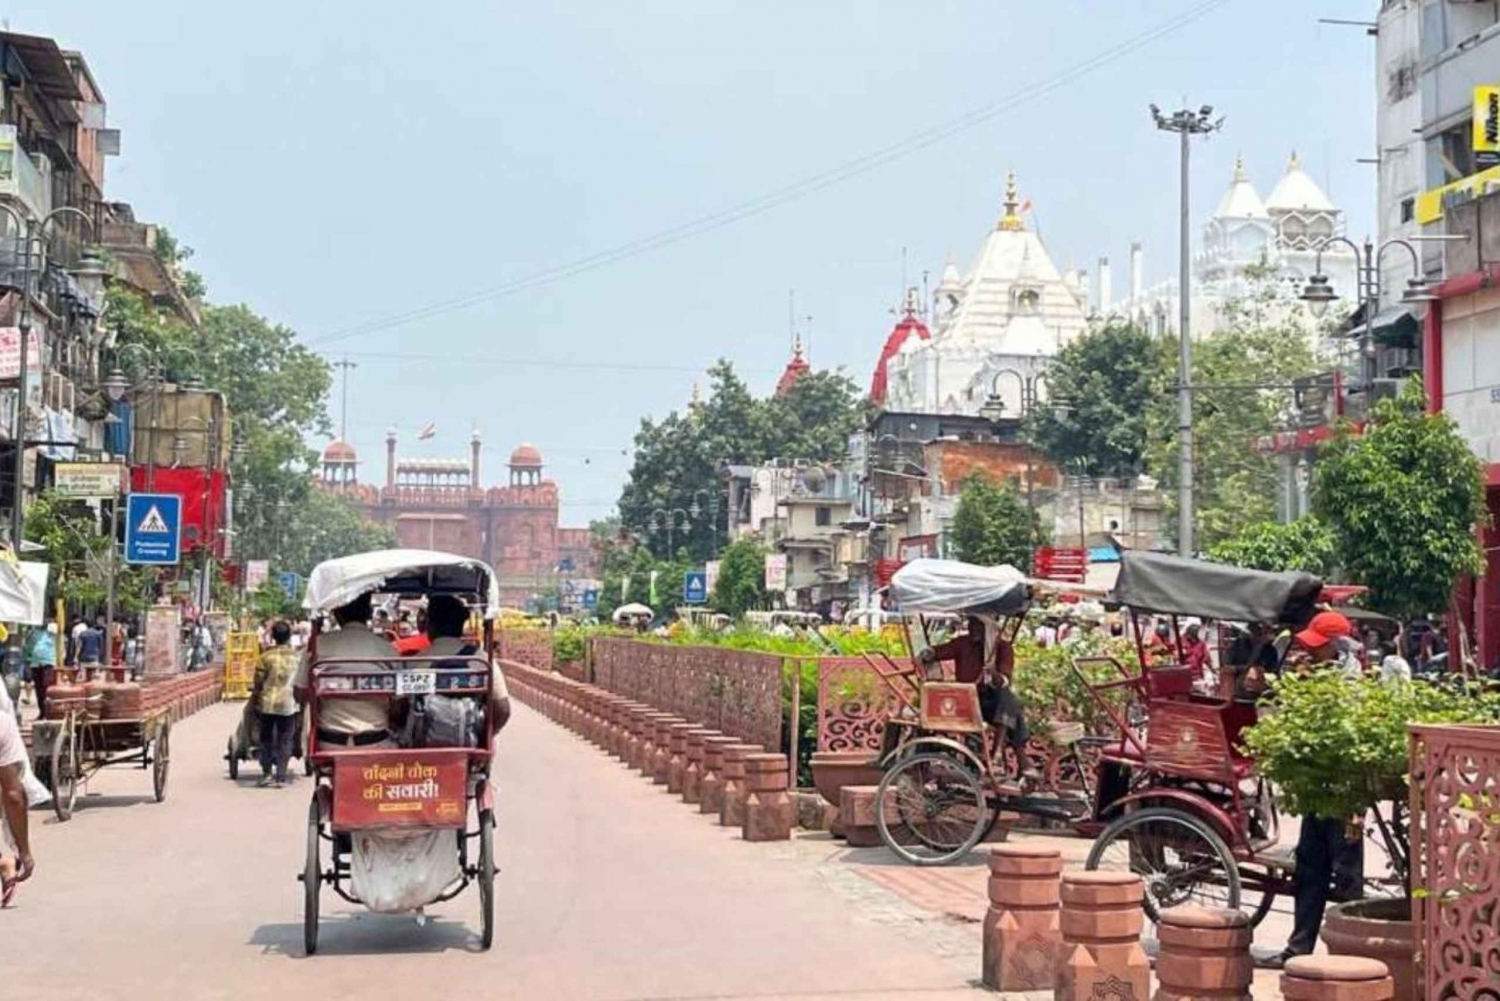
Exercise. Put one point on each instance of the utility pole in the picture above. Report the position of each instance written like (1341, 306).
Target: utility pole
(18, 432)
(1186, 124)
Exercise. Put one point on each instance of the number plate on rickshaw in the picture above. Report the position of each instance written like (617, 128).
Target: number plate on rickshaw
(416, 682)
(416, 788)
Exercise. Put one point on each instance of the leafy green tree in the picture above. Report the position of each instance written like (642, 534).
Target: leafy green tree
(1106, 383)
(75, 544)
(1403, 499)
(741, 586)
(320, 527)
(1234, 483)
(1306, 544)
(271, 602)
(993, 525)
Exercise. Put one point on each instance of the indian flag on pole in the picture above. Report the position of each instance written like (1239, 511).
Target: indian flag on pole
(428, 430)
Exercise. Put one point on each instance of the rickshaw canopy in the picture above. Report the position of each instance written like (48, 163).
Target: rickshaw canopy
(951, 586)
(400, 571)
(633, 610)
(1174, 585)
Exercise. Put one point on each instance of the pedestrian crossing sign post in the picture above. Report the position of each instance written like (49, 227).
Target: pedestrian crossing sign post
(153, 529)
(695, 587)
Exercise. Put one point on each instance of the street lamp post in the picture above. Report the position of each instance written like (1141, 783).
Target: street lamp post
(669, 517)
(1319, 293)
(1186, 123)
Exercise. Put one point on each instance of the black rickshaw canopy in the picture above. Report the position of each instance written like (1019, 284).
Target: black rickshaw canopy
(1174, 585)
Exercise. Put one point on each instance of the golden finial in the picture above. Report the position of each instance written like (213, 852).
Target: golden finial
(1239, 167)
(1012, 219)
(1295, 163)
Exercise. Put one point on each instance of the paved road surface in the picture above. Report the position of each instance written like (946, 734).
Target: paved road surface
(609, 890)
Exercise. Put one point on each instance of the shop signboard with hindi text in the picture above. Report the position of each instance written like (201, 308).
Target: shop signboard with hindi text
(88, 480)
(776, 571)
(10, 352)
(163, 634)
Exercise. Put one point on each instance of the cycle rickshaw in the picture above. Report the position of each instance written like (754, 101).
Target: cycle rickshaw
(948, 775)
(393, 822)
(1179, 801)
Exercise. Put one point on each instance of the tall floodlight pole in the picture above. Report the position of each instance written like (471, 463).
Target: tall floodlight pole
(1186, 124)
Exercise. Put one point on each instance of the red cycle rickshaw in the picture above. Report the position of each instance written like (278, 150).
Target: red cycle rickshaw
(396, 819)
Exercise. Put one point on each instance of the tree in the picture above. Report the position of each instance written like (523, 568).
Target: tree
(1306, 544)
(678, 463)
(76, 546)
(1402, 500)
(1109, 380)
(742, 578)
(320, 527)
(993, 525)
(1234, 483)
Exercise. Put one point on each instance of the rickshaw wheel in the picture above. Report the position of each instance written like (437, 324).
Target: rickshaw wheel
(1181, 859)
(931, 809)
(233, 757)
(486, 879)
(161, 759)
(312, 880)
(64, 770)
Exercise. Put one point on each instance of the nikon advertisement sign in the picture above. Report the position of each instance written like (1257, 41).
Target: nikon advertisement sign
(1486, 125)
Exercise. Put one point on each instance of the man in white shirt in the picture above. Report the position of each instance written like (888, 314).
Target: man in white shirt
(351, 722)
(16, 863)
(446, 618)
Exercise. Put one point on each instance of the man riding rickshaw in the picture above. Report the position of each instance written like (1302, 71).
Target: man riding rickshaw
(400, 747)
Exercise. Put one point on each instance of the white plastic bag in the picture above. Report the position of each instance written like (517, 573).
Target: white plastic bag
(395, 870)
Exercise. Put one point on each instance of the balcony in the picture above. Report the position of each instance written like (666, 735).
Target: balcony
(21, 179)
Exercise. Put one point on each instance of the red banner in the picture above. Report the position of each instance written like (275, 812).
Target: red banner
(399, 788)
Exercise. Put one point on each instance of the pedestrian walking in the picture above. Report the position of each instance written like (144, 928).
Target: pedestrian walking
(277, 706)
(41, 663)
(16, 863)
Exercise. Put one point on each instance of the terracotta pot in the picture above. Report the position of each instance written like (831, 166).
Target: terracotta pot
(832, 770)
(1377, 929)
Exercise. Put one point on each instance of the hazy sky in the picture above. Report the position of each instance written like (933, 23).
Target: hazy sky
(337, 164)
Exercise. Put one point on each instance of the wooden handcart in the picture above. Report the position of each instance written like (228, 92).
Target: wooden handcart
(69, 751)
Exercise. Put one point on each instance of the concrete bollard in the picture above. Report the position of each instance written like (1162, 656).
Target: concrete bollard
(711, 786)
(636, 745)
(1101, 924)
(619, 734)
(768, 807)
(1205, 953)
(661, 761)
(1022, 930)
(677, 755)
(732, 813)
(1336, 978)
(692, 772)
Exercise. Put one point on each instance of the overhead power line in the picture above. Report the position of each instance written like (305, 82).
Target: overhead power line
(791, 192)
(608, 366)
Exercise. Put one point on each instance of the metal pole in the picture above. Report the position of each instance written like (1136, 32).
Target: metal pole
(18, 429)
(114, 571)
(1371, 291)
(1184, 368)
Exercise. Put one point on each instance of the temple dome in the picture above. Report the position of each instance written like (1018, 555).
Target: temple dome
(339, 450)
(1298, 192)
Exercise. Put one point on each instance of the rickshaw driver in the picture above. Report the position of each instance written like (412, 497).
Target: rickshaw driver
(987, 664)
(350, 722)
(446, 618)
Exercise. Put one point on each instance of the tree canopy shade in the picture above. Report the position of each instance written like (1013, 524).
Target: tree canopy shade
(1402, 500)
(742, 578)
(1306, 544)
(993, 525)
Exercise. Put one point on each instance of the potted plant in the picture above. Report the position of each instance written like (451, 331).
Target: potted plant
(1337, 747)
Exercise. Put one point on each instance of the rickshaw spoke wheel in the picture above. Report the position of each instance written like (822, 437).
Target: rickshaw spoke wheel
(65, 769)
(930, 808)
(1180, 858)
(312, 880)
(233, 757)
(486, 879)
(161, 759)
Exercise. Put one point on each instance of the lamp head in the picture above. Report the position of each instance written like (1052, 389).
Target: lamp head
(1318, 293)
(115, 384)
(1418, 290)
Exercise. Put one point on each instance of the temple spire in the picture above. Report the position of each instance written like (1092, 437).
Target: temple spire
(1012, 219)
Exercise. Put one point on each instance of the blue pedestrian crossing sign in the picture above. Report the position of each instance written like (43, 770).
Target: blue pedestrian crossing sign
(591, 598)
(695, 587)
(153, 528)
(291, 583)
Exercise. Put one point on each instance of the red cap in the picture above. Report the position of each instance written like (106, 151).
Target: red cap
(1324, 626)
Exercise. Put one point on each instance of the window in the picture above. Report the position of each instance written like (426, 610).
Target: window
(1408, 209)
(1456, 151)
(823, 517)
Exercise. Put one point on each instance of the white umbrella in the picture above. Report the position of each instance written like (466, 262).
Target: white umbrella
(631, 610)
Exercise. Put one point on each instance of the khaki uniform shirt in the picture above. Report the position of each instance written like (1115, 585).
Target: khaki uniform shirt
(351, 716)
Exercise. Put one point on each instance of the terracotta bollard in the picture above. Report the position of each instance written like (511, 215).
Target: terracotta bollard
(661, 761)
(1022, 931)
(635, 745)
(1205, 953)
(647, 763)
(732, 814)
(768, 807)
(620, 733)
(1101, 924)
(692, 772)
(677, 756)
(1336, 978)
(711, 786)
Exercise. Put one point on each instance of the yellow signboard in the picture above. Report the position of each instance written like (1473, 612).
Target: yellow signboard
(1487, 125)
(1429, 207)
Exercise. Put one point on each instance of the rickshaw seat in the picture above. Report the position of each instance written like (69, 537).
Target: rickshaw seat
(1170, 682)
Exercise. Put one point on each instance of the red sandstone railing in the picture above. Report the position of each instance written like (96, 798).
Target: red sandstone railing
(1455, 863)
(852, 705)
(528, 646)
